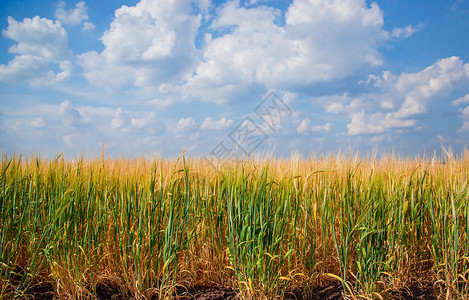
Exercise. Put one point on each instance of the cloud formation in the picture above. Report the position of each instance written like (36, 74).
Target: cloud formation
(142, 123)
(405, 32)
(465, 116)
(185, 124)
(304, 126)
(121, 119)
(160, 59)
(322, 128)
(245, 50)
(146, 45)
(41, 44)
(213, 124)
(74, 16)
(464, 99)
(320, 41)
(38, 123)
(397, 100)
(70, 115)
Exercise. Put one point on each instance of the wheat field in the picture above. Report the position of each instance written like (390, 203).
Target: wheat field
(262, 226)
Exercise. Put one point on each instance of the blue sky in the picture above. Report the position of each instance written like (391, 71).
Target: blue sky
(155, 77)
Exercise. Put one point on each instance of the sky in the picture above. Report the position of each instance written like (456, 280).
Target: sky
(224, 78)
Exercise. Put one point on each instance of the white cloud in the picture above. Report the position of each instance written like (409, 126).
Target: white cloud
(38, 36)
(70, 115)
(34, 69)
(73, 16)
(334, 107)
(185, 124)
(321, 41)
(41, 44)
(342, 104)
(211, 124)
(146, 45)
(121, 119)
(288, 97)
(25, 125)
(163, 102)
(24, 67)
(465, 112)
(88, 26)
(396, 100)
(304, 126)
(66, 68)
(435, 81)
(322, 128)
(377, 139)
(99, 73)
(245, 52)
(464, 99)
(143, 122)
(38, 123)
(386, 104)
(405, 32)
(464, 127)
(362, 123)
(465, 116)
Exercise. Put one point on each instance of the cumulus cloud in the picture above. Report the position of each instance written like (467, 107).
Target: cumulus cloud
(185, 124)
(465, 117)
(464, 99)
(142, 122)
(464, 127)
(38, 36)
(163, 103)
(245, 50)
(70, 115)
(211, 124)
(322, 128)
(321, 41)
(21, 126)
(38, 123)
(397, 100)
(463, 111)
(146, 45)
(24, 67)
(145, 122)
(121, 119)
(88, 26)
(362, 123)
(34, 69)
(334, 107)
(435, 81)
(41, 44)
(74, 16)
(304, 126)
(405, 32)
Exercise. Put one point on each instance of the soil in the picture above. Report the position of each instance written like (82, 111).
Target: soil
(416, 291)
(109, 290)
(205, 293)
(41, 291)
(326, 292)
